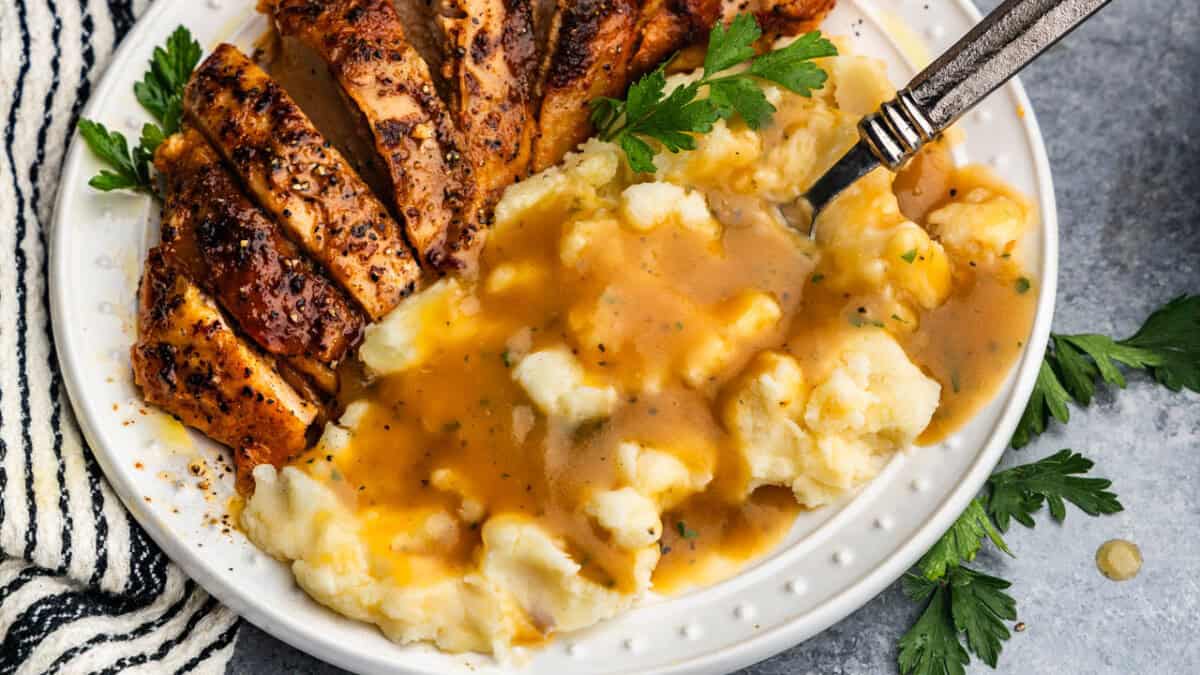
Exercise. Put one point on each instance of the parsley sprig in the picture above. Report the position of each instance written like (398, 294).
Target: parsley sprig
(963, 603)
(129, 170)
(161, 93)
(961, 542)
(1018, 493)
(161, 88)
(673, 118)
(1167, 346)
(966, 604)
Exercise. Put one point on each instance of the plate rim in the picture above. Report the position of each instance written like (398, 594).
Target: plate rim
(762, 645)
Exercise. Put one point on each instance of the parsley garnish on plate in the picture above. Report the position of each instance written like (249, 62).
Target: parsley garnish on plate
(161, 88)
(161, 93)
(1167, 346)
(130, 170)
(671, 119)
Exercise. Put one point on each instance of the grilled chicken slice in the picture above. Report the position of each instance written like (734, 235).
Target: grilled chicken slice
(390, 86)
(189, 361)
(781, 17)
(670, 25)
(300, 180)
(219, 239)
(590, 46)
(491, 69)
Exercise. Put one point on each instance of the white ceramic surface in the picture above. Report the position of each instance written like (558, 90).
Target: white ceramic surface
(834, 561)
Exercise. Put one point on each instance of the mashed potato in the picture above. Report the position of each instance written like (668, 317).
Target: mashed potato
(642, 358)
(554, 381)
(824, 438)
(525, 583)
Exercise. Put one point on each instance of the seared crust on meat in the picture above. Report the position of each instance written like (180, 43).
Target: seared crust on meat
(670, 25)
(491, 68)
(781, 17)
(300, 179)
(388, 82)
(214, 234)
(591, 44)
(189, 361)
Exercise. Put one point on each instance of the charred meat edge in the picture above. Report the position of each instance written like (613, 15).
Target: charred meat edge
(591, 44)
(189, 361)
(227, 246)
(300, 180)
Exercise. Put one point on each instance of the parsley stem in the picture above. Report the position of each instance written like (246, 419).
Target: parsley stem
(607, 133)
(706, 80)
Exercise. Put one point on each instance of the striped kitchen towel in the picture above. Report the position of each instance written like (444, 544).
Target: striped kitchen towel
(82, 588)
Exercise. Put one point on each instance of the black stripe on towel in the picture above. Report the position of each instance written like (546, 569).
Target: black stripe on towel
(26, 575)
(147, 580)
(35, 167)
(83, 92)
(140, 631)
(94, 481)
(147, 565)
(165, 648)
(10, 133)
(52, 611)
(220, 643)
(122, 18)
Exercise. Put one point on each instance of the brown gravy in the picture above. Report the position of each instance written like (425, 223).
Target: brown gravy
(457, 411)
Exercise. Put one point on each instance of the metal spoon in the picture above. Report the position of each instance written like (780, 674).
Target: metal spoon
(1007, 40)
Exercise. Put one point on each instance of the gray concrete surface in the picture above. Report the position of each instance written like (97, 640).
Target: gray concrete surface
(1118, 105)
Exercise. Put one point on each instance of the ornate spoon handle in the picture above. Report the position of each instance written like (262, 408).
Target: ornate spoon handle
(1014, 34)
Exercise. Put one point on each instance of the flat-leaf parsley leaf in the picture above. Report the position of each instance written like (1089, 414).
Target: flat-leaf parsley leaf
(128, 170)
(961, 542)
(931, 646)
(170, 66)
(1015, 494)
(980, 607)
(671, 119)
(1167, 346)
(161, 92)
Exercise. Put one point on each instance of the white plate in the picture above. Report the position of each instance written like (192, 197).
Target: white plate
(835, 560)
